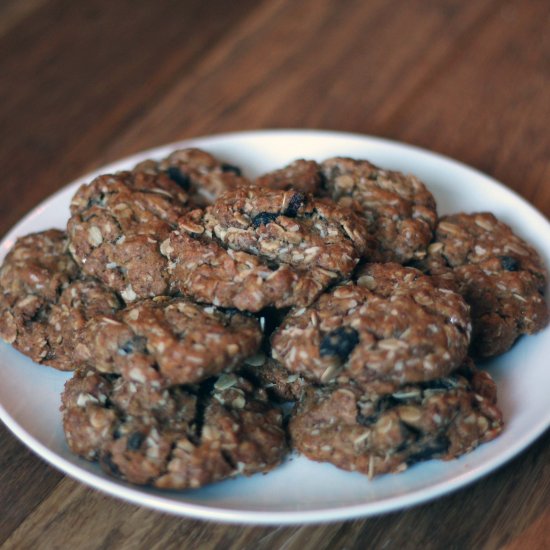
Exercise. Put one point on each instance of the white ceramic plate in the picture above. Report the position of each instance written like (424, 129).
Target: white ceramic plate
(302, 491)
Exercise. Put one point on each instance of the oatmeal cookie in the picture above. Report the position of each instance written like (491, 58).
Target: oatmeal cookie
(35, 271)
(177, 438)
(81, 302)
(500, 276)
(398, 208)
(301, 175)
(280, 384)
(376, 434)
(165, 341)
(259, 247)
(391, 327)
(198, 173)
(117, 222)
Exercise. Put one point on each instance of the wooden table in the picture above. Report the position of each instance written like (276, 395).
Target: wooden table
(84, 83)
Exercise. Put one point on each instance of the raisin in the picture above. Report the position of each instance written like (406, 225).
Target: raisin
(136, 344)
(176, 175)
(383, 404)
(231, 168)
(339, 342)
(386, 402)
(297, 200)
(433, 449)
(367, 420)
(323, 180)
(263, 218)
(97, 201)
(509, 263)
(440, 384)
(134, 441)
(108, 464)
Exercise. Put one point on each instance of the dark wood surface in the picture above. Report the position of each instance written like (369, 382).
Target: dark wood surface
(83, 83)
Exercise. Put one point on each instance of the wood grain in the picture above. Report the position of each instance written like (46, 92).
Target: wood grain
(85, 83)
(83, 71)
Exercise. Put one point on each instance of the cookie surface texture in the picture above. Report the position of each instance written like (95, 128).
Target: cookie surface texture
(498, 273)
(167, 341)
(391, 327)
(259, 247)
(177, 438)
(375, 434)
(35, 271)
(201, 175)
(399, 209)
(116, 226)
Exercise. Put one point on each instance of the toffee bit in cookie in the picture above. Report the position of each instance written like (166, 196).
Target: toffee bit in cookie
(339, 342)
(263, 218)
(295, 204)
(176, 175)
(509, 263)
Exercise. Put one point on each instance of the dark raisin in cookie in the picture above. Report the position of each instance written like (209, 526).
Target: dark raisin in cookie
(166, 341)
(177, 438)
(198, 173)
(500, 276)
(260, 247)
(116, 226)
(399, 209)
(376, 434)
(391, 327)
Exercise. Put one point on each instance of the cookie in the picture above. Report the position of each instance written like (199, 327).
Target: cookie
(201, 175)
(400, 211)
(300, 175)
(35, 271)
(116, 226)
(499, 274)
(203, 269)
(280, 384)
(258, 247)
(166, 341)
(377, 434)
(391, 327)
(177, 438)
(80, 303)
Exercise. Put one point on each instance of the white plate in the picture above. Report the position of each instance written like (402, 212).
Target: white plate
(302, 491)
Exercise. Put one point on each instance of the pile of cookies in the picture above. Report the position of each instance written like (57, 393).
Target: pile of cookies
(193, 303)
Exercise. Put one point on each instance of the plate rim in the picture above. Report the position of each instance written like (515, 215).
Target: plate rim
(262, 517)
